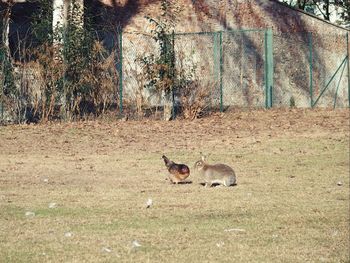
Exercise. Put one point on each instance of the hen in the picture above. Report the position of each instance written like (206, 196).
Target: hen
(177, 172)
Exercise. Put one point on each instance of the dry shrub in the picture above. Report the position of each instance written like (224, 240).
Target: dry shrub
(48, 72)
(195, 99)
(93, 92)
(101, 77)
(35, 90)
(139, 98)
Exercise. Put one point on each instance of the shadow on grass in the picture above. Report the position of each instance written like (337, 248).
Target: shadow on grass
(218, 185)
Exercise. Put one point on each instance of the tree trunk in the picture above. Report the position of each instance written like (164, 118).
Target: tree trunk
(65, 13)
(62, 10)
(6, 26)
(59, 22)
(5, 50)
(301, 4)
(327, 12)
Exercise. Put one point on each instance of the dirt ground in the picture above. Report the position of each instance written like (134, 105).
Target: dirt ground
(74, 192)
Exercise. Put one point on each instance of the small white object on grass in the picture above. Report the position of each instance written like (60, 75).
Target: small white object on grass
(234, 230)
(149, 203)
(30, 214)
(46, 180)
(136, 244)
(220, 244)
(52, 205)
(106, 249)
(339, 183)
(68, 234)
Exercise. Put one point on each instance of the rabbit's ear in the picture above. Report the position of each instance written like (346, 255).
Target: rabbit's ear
(203, 157)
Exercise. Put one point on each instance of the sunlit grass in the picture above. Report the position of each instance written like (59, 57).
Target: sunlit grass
(291, 203)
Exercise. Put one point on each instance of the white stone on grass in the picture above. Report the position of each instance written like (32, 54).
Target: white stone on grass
(136, 244)
(106, 249)
(30, 214)
(220, 244)
(68, 234)
(149, 203)
(52, 205)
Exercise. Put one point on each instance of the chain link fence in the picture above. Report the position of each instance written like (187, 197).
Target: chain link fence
(310, 70)
(136, 98)
(243, 68)
(243, 59)
(329, 70)
(197, 58)
(291, 70)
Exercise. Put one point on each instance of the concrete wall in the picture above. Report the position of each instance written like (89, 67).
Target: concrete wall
(243, 77)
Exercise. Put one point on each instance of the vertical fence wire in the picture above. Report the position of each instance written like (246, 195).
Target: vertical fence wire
(172, 66)
(268, 68)
(137, 94)
(348, 65)
(120, 70)
(2, 82)
(243, 68)
(291, 70)
(217, 54)
(220, 71)
(197, 59)
(310, 69)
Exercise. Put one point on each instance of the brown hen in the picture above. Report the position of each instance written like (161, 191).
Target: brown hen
(177, 172)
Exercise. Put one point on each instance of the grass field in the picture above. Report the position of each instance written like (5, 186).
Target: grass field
(77, 192)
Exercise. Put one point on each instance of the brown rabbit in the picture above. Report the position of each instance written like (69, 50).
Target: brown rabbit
(215, 173)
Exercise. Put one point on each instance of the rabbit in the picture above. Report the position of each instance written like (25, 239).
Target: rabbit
(215, 174)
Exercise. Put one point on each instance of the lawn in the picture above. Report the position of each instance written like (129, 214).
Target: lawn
(77, 192)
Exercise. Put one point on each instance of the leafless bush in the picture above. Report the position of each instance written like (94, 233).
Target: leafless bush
(195, 99)
(102, 78)
(41, 86)
(49, 76)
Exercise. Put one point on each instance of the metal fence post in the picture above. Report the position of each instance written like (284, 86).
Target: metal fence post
(269, 71)
(120, 71)
(173, 113)
(221, 71)
(347, 53)
(311, 69)
(63, 97)
(215, 59)
(2, 83)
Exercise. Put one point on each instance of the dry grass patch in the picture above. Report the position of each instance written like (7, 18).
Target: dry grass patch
(291, 203)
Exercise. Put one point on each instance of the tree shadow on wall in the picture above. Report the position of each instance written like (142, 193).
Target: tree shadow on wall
(291, 42)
